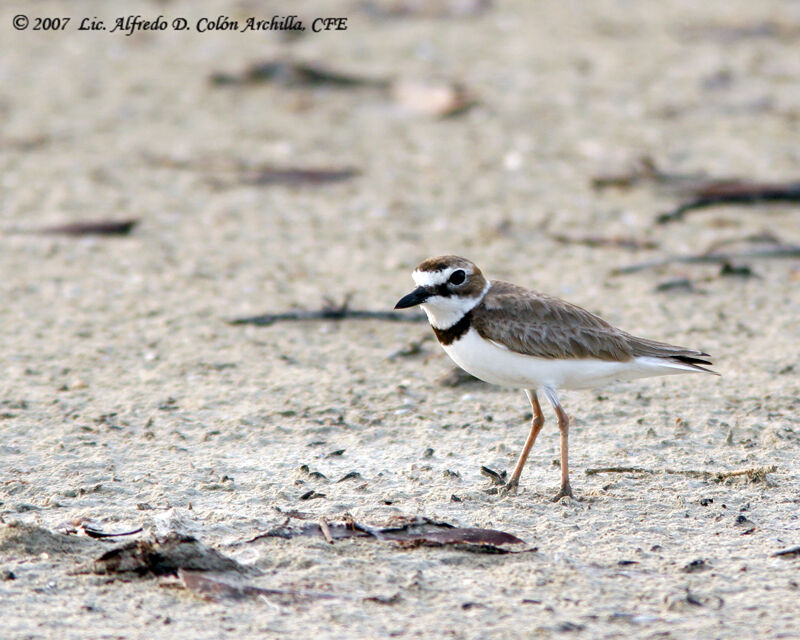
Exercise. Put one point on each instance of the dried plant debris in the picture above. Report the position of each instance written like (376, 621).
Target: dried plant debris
(219, 587)
(435, 98)
(414, 348)
(687, 600)
(90, 529)
(352, 475)
(696, 566)
(88, 228)
(331, 311)
(163, 555)
(682, 285)
(737, 271)
(700, 190)
(407, 532)
(296, 74)
(773, 251)
(226, 172)
(497, 477)
(614, 242)
(754, 475)
(723, 192)
(792, 552)
(728, 32)
(645, 170)
(30, 143)
(293, 177)
(764, 237)
(17, 538)
(96, 533)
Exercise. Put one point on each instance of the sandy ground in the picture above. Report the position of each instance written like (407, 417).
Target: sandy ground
(128, 400)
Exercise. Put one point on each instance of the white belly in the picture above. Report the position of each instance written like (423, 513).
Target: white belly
(497, 365)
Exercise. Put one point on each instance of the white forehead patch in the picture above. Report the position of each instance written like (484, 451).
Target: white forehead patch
(434, 278)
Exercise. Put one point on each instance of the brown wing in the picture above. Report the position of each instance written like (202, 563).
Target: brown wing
(534, 324)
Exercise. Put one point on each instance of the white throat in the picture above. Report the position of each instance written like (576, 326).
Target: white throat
(443, 312)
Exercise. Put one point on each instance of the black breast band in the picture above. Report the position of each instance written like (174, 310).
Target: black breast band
(450, 335)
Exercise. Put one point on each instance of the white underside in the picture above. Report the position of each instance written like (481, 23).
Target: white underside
(492, 363)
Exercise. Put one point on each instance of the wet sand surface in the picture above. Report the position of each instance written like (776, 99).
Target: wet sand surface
(128, 400)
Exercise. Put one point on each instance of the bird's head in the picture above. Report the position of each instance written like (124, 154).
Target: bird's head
(447, 288)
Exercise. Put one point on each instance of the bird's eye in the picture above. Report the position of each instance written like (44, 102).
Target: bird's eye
(458, 277)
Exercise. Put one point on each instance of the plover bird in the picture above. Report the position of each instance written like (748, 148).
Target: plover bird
(513, 337)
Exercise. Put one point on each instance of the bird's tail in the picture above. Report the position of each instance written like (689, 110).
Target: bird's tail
(671, 356)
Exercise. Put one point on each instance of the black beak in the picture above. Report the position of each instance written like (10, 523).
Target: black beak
(417, 296)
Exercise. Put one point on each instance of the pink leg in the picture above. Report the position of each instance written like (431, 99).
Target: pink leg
(536, 426)
(563, 427)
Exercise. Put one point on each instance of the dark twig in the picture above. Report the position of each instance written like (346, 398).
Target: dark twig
(96, 533)
(734, 192)
(644, 169)
(87, 228)
(331, 311)
(777, 251)
(227, 171)
(618, 242)
(266, 176)
(296, 74)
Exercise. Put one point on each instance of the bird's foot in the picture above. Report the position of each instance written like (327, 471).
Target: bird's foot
(509, 487)
(564, 492)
